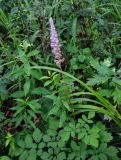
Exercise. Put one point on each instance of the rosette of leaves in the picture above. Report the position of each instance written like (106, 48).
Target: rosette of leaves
(77, 151)
(26, 111)
(29, 146)
(38, 146)
(78, 140)
(84, 130)
(103, 152)
(87, 139)
(55, 149)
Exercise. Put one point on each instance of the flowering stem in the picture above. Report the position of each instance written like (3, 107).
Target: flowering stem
(110, 109)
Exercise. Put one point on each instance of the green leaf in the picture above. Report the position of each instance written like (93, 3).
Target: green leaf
(104, 70)
(61, 144)
(111, 151)
(62, 119)
(27, 87)
(87, 140)
(37, 135)
(21, 143)
(71, 155)
(103, 147)
(17, 94)
(84, 118)
(93, 141)
(81, 135)
(66, 105)
(50, 151)
(53, 123)
(56, 79)
(4, 158)
(39, 152)
(44, 78)
(34, 146)
(47, 83)
(105, 92)
(77, 158)
(64, 135)
(91, 115)
(87, 51)
(23, 156)
(98, 79)
(36, 74)
(34, 105)
(95, 157)
(116, 81)
(40, 91)
(74, 145)
(32, 113)
(95, 130)
(27, 68)
(18, 152)
(32, 155)
(22, 55)
(1, 116)
(53, 144)
(28, 141)
(102, 156)
(71, 48)
(105, 136)
(32, 124)
(52, 132)
(41, 145)
(4, 20)
(33, 53)
(73, 30)
(25, 61)
(117, 96)
(46, 138)
(45, 155)
(53, 111)
(81, 58)
(61, 156)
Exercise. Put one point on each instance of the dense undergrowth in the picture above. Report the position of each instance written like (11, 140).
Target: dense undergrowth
(67, 113)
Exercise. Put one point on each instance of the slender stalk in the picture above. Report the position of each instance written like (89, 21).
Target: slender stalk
(111, 111)
(105, 102)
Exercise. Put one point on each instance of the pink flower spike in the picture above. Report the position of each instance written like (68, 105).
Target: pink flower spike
(55, 45)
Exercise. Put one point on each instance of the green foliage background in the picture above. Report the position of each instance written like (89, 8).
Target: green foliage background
(48, 113)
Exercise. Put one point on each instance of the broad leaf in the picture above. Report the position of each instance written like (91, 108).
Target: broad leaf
(37, 135)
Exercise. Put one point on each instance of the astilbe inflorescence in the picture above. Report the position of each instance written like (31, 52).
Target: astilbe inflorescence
(55, 45)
